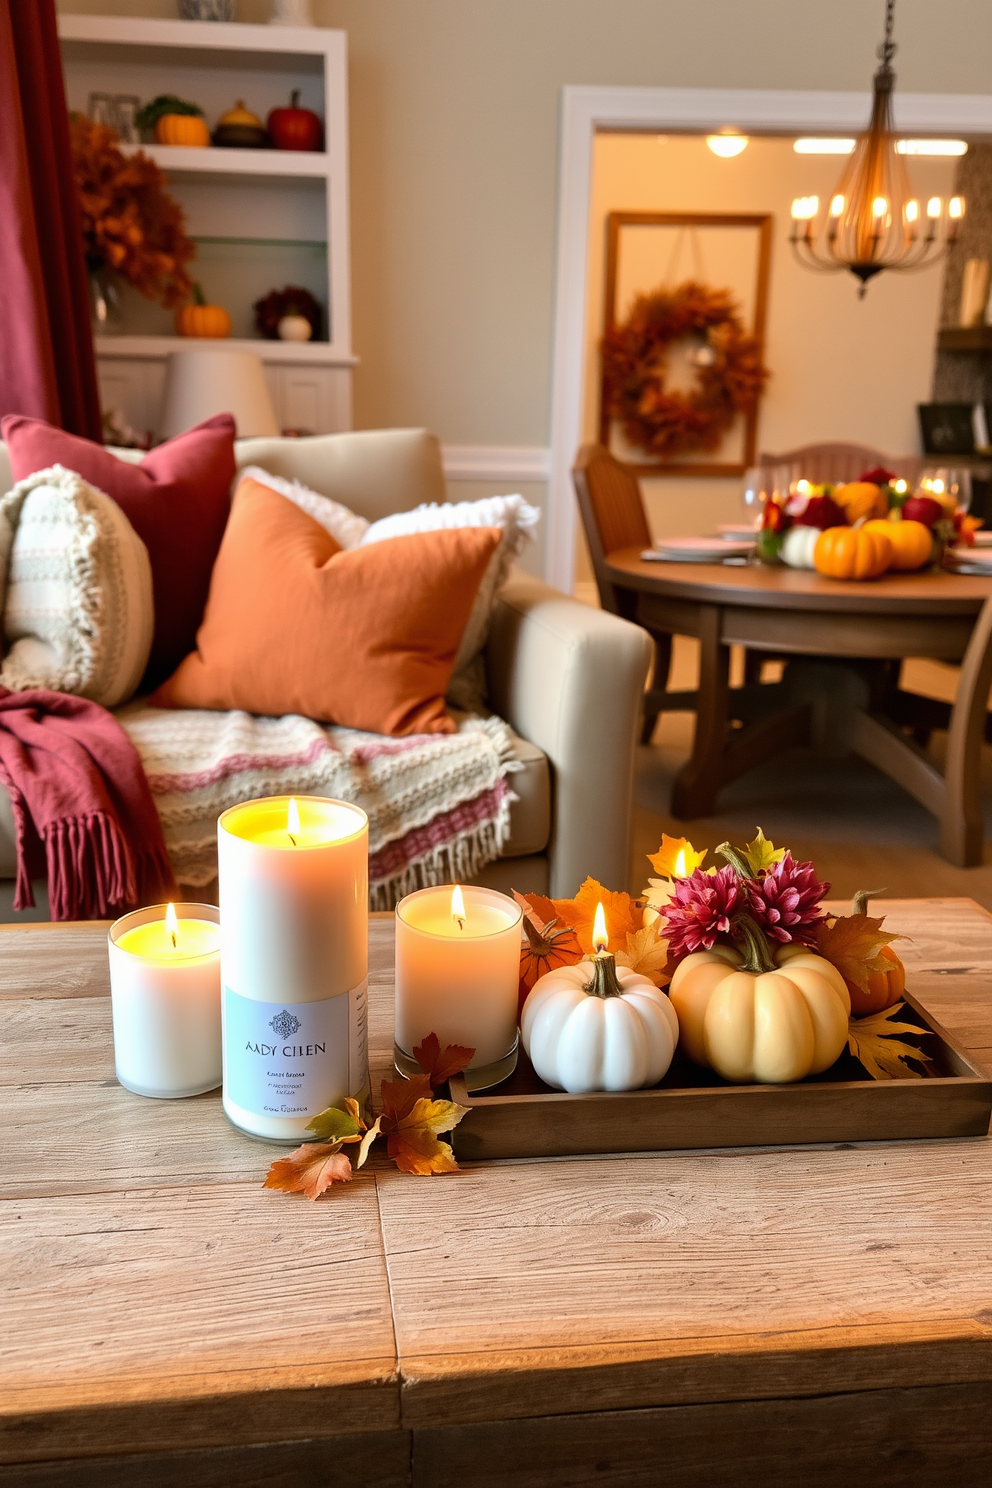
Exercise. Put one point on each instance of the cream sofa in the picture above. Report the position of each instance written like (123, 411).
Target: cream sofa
(567, 678)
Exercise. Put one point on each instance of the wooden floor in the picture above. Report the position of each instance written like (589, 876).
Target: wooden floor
(860, 828)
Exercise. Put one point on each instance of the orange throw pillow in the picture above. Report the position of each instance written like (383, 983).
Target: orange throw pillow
(365, 638)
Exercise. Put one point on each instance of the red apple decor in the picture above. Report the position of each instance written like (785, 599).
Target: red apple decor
(295, 128)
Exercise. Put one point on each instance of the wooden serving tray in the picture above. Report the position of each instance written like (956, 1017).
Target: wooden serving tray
(693, 1107)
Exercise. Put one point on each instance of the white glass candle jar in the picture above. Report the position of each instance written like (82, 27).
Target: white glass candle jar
(457, 975)
(294, 961)
(165, 997)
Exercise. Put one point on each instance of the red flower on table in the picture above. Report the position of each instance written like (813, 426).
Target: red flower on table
(702, 909)
(785, 901)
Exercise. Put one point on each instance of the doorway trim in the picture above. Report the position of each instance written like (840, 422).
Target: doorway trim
(586, 111)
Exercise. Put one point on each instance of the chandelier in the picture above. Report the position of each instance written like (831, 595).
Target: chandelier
(873, 221)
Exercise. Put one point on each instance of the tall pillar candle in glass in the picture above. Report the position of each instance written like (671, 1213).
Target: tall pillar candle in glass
(294, 961)
(457, 975)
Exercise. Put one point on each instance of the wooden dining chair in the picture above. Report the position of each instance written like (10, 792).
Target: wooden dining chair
(836, 462)
(613, 517)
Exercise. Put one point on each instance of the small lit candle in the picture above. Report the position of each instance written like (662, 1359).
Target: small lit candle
(457, 975)
(165, 996)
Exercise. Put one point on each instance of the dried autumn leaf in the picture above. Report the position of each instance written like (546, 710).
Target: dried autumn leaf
(871, 1042)
(399, 1098)
(412, 1141)
(647, 953)
(549, 941)
(665, 860)
(853, 943)
(623, 915)
(367, 1140)
(335, 1125)
(440, 1064)
(762, 854)
(310, 1170)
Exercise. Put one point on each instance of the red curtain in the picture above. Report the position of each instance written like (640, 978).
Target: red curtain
(46, 345)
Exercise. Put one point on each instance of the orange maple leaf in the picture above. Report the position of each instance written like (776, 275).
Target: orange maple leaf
(440, 1064)
(310, 1170)
(412, 1142)
(550, 941)
(647, 952)
(853, 943)
(665, 860)
(623, 917)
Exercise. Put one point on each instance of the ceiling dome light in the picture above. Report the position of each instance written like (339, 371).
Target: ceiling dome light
(727, 145)
(823, 146)
(878, 225)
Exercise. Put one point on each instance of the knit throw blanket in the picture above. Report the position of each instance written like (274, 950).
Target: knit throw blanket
(438, 805)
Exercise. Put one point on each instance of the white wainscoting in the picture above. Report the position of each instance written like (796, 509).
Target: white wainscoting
(497, 462)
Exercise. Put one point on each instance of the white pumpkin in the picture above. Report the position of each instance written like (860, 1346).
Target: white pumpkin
(581, 1035)
(770, 1027)
(798, 545)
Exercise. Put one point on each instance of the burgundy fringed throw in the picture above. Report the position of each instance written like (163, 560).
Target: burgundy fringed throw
(76, 786)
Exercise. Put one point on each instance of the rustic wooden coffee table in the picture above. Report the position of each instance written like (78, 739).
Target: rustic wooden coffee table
(768, 1317)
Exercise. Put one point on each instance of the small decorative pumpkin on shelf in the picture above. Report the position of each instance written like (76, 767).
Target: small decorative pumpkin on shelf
(174, 121)
(202, 320)
(911, 542)
(852, 553)
(598, 1026)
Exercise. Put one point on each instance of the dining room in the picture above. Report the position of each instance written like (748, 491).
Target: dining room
(837, 375)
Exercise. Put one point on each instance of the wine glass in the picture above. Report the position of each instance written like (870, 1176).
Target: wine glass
(754, 495)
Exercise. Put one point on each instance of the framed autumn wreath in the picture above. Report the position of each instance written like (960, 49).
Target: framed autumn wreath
(638, 399)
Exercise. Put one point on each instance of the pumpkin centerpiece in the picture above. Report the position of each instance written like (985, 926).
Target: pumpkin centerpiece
(173, 121)
(595, 1025)
(753, 1015)
(852, 553)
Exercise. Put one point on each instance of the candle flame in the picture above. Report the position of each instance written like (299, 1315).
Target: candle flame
(680, 864)
(600, 939)
(458, 906)
(293, 821)
(172, 924)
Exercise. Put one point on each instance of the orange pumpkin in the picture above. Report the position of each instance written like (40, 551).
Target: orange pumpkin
(912, 542)
(852, 553)
(182, 129)
(885, 988)
(860, 499)
(201, 319)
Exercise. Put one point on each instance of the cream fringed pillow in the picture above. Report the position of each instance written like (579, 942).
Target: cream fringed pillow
(75, 590)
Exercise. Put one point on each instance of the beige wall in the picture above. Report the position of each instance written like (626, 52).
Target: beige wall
(454, 112)
(842, 368)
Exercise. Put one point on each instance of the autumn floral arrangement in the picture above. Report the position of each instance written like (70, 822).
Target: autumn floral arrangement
(864, 528)
(131, 225)
(739, 964)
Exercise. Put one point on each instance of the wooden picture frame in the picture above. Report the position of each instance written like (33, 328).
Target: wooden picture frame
(759, 223)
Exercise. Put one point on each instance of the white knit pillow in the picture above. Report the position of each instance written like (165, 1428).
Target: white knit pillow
(517, 521)
(345, 526)
(75, 590)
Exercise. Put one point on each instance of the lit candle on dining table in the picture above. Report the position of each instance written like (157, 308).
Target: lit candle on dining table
(165, 999)
(457, 975)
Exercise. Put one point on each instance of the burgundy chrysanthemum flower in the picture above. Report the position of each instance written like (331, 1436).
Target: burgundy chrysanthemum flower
(785, 901)
(701, 910)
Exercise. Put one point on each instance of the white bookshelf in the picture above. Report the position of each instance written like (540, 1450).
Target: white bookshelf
(261, 218)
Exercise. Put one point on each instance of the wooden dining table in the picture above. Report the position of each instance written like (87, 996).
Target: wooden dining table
(788, 612)
(775, 1316)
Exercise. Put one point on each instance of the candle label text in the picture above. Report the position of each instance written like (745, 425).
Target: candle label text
(294, 1059)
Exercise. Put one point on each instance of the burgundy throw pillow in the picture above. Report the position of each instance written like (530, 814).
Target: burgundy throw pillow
(177, 500)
